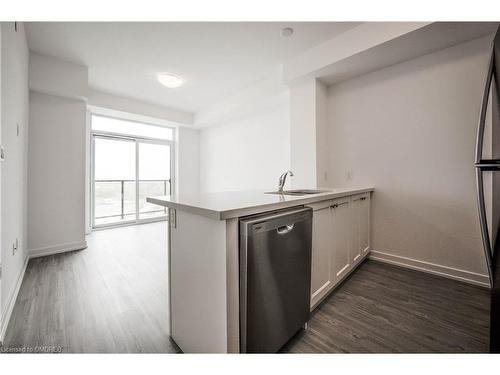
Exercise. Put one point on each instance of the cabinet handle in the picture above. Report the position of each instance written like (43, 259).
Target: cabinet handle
(338, 204)
(359, 199)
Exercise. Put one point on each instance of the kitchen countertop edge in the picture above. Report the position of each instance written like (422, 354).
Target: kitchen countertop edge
(254, 209)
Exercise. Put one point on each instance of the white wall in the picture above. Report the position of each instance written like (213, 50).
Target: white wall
(56, 194)
(56, 157)
(14, 96)
(308, 128)
(188, 160)
(409, 130)
(303, 134)
(322, 149)
(264, 95)
(247, 154)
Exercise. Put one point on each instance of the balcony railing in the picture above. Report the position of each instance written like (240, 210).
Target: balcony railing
(117, 199)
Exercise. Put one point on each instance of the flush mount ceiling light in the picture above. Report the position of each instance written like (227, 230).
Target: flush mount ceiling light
(170, 80)
(286, 32)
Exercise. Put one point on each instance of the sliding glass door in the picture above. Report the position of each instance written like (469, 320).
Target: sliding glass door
(114, 184)
(154, 177)
(126, 170)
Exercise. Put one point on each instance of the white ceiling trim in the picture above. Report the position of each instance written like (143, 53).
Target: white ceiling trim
(57, 77)
(375, 45)
(134, 106)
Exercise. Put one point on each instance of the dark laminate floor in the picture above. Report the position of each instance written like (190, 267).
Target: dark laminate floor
(387, 309)
(112, 297)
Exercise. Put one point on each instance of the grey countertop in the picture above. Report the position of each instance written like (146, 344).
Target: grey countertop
(227, 205)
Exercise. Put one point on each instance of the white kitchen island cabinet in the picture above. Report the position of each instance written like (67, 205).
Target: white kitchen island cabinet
(203, 256)
(340, 241)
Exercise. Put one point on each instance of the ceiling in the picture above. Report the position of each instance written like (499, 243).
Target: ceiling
(215, 59)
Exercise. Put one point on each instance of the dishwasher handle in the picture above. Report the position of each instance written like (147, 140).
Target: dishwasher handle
(282, 222)
(284, 229)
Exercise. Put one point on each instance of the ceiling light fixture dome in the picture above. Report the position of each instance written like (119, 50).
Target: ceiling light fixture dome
(170, 80)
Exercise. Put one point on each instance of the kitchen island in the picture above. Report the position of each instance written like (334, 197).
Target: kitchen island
(203, 252)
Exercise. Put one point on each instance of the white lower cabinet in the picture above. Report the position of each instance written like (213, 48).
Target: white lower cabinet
(321, 275)
(340, 241)
(360, 227)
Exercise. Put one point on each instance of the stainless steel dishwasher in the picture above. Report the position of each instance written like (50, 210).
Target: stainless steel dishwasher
(275, 278)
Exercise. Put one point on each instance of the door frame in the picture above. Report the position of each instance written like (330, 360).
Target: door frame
(137, 140)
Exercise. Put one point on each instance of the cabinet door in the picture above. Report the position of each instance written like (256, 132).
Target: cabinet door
(364, 223)
(341, 229)
(321, 273)
(360, 227)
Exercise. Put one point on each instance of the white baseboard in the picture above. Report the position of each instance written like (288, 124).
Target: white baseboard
(12, 301)
(436, 269)
(44, 251)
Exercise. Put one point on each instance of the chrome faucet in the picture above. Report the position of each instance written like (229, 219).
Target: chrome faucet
(282, 180)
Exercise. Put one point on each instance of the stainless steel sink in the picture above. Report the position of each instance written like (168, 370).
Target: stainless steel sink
(298, 192)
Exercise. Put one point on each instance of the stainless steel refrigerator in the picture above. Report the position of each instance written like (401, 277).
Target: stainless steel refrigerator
(488, 184)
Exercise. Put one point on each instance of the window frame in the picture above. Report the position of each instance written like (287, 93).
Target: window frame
(137, 140)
